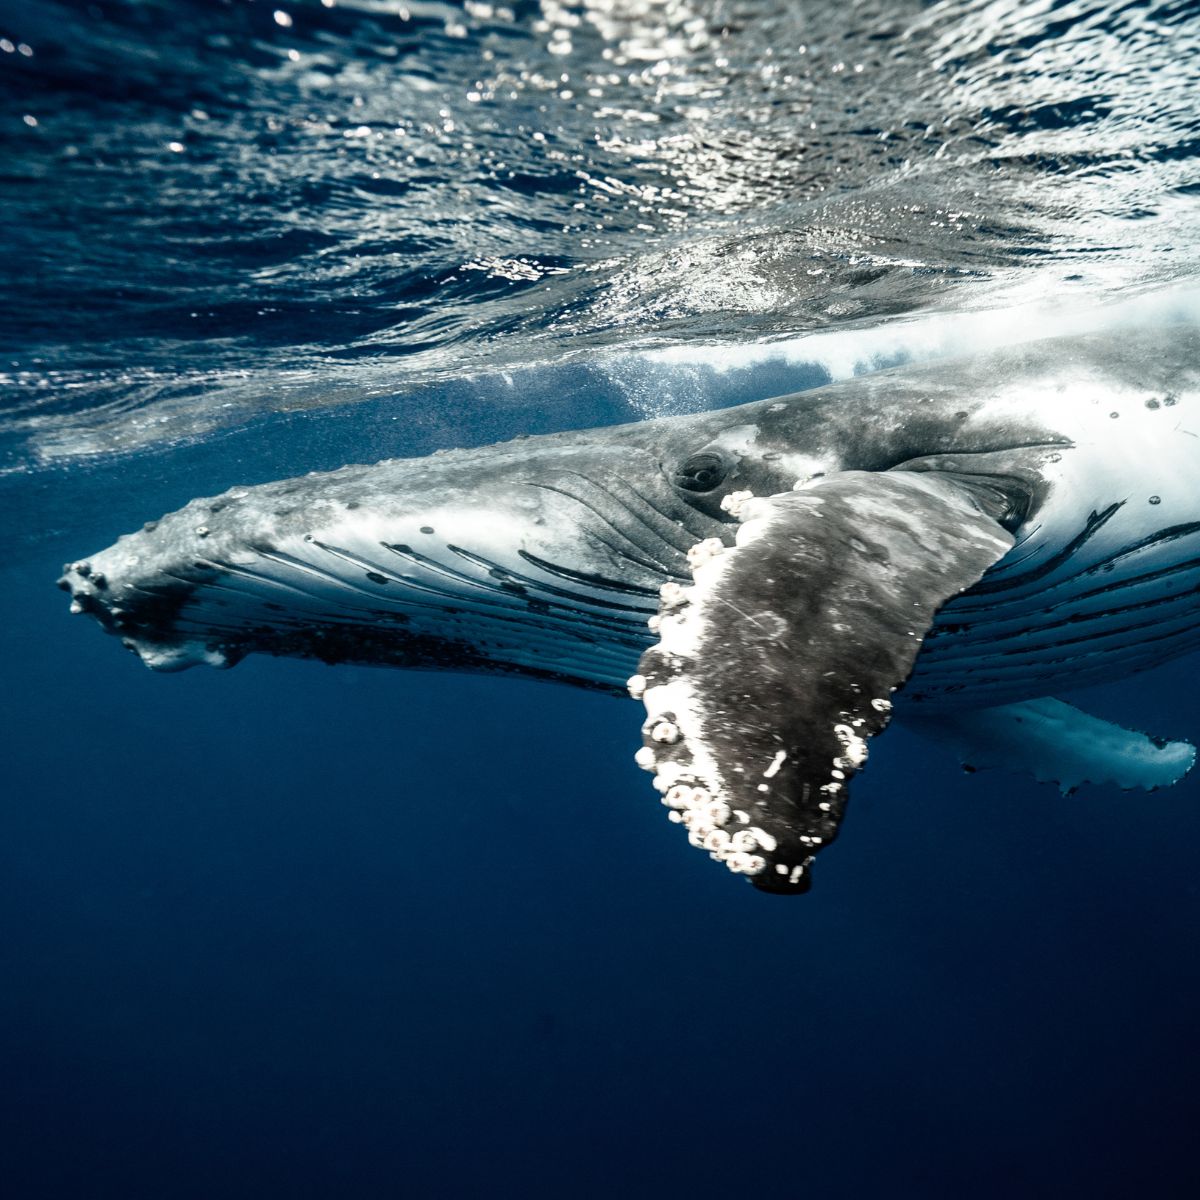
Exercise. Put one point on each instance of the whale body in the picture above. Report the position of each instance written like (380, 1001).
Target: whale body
(951, 544)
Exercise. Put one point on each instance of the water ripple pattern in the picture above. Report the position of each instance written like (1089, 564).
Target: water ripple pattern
(213, 209)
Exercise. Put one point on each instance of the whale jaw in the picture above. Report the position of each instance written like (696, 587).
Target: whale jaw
(545, 564)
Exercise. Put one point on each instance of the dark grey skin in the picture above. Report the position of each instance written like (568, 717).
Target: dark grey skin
(971, 535)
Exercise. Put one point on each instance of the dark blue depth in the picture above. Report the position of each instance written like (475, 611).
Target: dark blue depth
(300, 931)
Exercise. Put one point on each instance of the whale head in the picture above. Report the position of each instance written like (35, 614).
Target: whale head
(543, 556)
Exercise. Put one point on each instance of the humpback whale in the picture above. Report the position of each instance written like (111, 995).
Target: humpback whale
(951, 545)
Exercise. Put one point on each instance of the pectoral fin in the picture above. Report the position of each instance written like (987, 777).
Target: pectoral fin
(778, 664)
(1057, 743)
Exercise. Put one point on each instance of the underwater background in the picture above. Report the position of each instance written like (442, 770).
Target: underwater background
(247, 239)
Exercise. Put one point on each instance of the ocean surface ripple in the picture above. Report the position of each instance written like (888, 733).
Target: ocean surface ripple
(215, 210)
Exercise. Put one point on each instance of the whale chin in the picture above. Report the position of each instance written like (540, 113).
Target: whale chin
(546, 564)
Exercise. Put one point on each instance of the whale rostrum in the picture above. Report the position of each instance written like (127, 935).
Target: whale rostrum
(950, 545)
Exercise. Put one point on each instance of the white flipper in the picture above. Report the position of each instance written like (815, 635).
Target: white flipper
(1058, 743)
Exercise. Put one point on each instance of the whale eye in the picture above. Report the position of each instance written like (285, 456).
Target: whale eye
(701, 472)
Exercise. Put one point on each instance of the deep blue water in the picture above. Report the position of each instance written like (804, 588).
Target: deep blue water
(233, 960)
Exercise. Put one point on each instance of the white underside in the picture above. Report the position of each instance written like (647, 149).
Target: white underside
(1057, 743)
